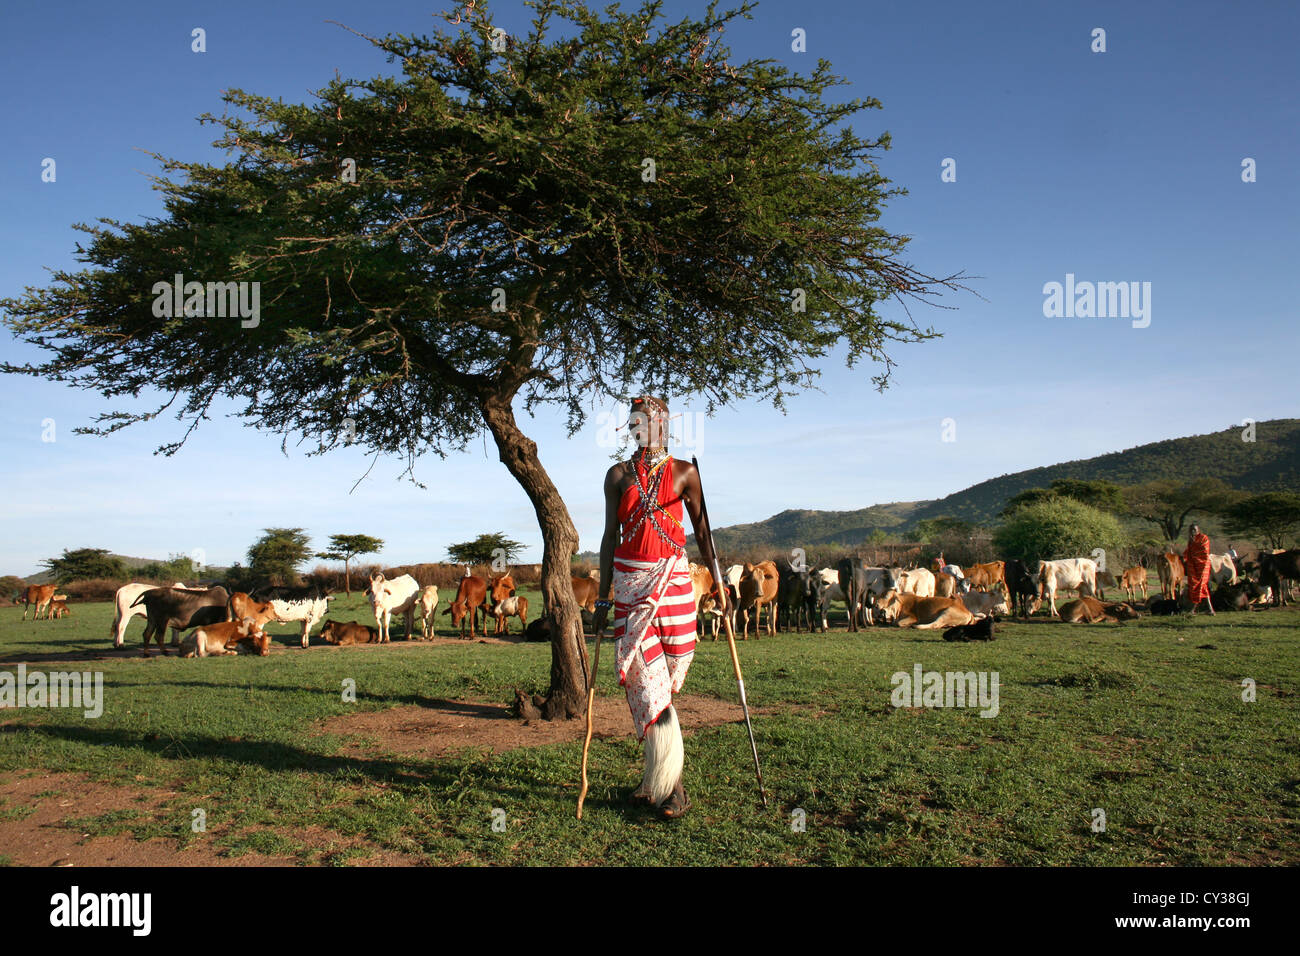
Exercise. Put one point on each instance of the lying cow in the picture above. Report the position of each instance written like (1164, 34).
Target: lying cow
(180, 610)
(227, 637)
(981, 630)
(1237, 597)
(242, 606)
(350, 632)
(1089, 610)
(907, 610)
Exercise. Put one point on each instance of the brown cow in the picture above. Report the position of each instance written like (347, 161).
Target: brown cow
(242, 606)
(42, 595)
(985, 577)
(502, 588)
(59, 608)
(1089, 610)
(516, 606)
(226, 637)
(1171, 571)
(759, 584)
(907, 610)
(471, 597)
(343, 634)
(1132, 579)
(584, 592)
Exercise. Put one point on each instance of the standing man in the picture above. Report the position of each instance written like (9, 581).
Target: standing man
(1196, 561)
(646, 578)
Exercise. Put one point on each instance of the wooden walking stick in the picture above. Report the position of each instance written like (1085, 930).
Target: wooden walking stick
(586, 744)
(731, 637)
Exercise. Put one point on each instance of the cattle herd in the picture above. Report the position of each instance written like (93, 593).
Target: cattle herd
(963, 602)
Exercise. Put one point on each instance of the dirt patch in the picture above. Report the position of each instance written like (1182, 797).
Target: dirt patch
(35, 830)
(444, 727)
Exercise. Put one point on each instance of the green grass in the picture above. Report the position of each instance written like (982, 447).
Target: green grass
(1143, 720)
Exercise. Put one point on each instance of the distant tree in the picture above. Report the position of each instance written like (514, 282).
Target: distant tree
(928, 529)
(86, 563)
(484, 549)
(1057, 528)
(1099, 493)
(274, 557)
(11, 585)
(1272, 516)
(177, 567)
(345, 547)
(1027, 497)
(1169, 503)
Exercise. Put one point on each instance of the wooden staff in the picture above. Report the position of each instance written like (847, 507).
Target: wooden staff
(586, 744)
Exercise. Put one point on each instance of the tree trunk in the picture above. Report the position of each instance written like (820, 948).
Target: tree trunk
(347, 577)
(568, 694)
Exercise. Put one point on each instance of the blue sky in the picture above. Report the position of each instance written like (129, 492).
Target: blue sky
(1115, 166)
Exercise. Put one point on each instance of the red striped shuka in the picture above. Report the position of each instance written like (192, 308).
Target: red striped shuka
(654, 605)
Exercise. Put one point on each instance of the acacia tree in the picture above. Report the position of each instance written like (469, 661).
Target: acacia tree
(544, 218)
(345, 547)
(485, 549)
(1168, 504)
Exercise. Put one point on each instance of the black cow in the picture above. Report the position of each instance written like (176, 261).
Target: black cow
(862, 585)
(182, 610)
(792, 596)
(1022, 586)
(1277, 571)
(981, 630)
(817, 599)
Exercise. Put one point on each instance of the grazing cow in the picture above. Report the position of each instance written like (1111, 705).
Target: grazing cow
(42, 595)
(1105, 579)
(227, 637)
(241, 606)
(1022, 587)
(758, 589)
(985, 577)
(1170, 569)
(471, 597)
(123, 611)
(59, 608)
(180, 610)
(981, 630)
(1278, 570)
(918, 581)
(985, 602)
(1132, 580)
(347, 633)
(514, 606)
(308, 605)
(1089, 610)
(427, 602)
(1223, 570)
(1074, 574)
(393, 596)
(862, 586)
(908, 610)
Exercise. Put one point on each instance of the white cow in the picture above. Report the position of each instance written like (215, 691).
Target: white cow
(398, 595)
(918, 581)
(981, 603)
(427, 603)
(307, 605)
(1223, 570)
(123, 611)
(1074, 574)
(836, 593)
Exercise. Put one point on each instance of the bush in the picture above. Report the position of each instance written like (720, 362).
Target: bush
(1057, 528)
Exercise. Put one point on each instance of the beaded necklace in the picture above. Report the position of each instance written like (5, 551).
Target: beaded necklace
(649, 494)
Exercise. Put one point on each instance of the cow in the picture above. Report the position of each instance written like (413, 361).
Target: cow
(500, 589)
(1022, 587)
(1133, 580)
(1105, 579)
(59, 608)
(123, 611)
(308, 605)
(981, 630)
(1170, 569)
(427, 602)
(514, 606)
(1222, 570)
(1163, 607)
(226, 637)
(828, 590)
(1241, 596)
(347, 633)
(918, 581)
(180, 610)
(945, 585)
(862, 585)
(957, 583)
(471, 596)
(1075, 574)
(388, 597)
(908, 610)
(985, 577)
(241, 606)
(42, 595)
(985, 603)
(758, 589)
(1277, 571)
(792, 596)
(1089, 610)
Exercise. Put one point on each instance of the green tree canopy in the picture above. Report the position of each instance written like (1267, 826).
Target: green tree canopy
(1102, 494)
(86, 563)
(1057, 528)
(555, 218)
(484, 549)
(345, 547)
(1168, 503)
(274, 557)
(1272, 517)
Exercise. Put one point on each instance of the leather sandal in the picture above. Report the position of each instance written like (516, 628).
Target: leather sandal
(677, 803)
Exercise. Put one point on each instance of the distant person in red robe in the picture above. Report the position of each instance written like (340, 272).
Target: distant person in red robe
(1196, 561)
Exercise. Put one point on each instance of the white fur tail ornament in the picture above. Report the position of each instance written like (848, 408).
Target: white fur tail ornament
(664, 757)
